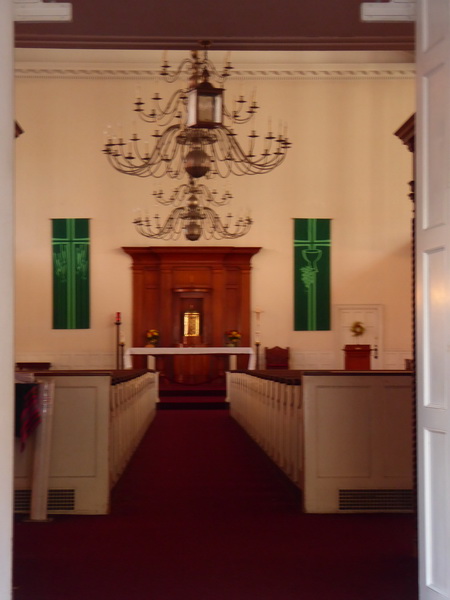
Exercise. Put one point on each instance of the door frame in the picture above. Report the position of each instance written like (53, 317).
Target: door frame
(345, 315)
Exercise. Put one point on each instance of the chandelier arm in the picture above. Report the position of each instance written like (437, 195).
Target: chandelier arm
(161, 119)
(172, 76)
(157, 115)
(123, 160)
(213, 227)
(203, 194)
(149, 163)
(272, 146)
(236, 160)
(194, 64)
(206, 225)
(212, 198)
(236, 117)
(173, 225)
(219, 77)
(234, 151)
(156, 175)
(220, 149)
(243, 164)
(135, 170)
(113, 162)
(176, 198)
(163, 144)
(219, 166)
(168, 230)
(164, 156)
(219, 230)
(267, 162)
(120, 164)
(175, 159)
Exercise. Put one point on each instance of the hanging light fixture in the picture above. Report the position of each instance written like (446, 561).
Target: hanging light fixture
(197, 134)
(193, 135)
(193, 216)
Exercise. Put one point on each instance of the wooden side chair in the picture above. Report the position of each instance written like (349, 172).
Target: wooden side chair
(277, 358)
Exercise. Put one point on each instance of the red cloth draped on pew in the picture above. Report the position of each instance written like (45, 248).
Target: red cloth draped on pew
(28, 415)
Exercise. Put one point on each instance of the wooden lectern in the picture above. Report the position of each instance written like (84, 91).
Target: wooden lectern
(357, 357)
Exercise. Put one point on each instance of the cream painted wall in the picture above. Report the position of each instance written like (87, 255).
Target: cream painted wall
(345, 164)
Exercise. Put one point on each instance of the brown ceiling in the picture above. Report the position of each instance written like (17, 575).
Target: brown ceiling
(236, 24)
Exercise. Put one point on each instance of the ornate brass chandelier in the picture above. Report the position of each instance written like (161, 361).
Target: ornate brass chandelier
(194, 135)
(193, 216)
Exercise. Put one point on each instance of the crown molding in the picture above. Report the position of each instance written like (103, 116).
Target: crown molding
(270, 65)
(269, 72)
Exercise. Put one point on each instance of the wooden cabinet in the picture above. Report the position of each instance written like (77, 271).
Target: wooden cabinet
(170, 281)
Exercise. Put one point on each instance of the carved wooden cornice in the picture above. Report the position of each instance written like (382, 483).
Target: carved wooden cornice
(407, 133)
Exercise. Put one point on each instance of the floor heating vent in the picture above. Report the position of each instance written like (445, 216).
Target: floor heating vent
(381, 500)
(56, 500)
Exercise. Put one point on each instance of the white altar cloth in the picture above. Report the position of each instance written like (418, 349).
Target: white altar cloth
(223, 350)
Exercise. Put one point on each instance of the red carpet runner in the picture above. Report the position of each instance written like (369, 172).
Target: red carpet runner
(202, 514)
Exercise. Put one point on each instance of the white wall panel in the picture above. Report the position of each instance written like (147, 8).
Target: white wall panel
(434, 340)
(342, 421)
(435, 177)
(436, 484)
(434, 23)
(79, 459)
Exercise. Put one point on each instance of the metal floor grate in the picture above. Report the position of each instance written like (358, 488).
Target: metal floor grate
(56, 500)
(381, 500)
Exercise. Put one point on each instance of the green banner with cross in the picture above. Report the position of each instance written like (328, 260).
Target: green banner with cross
(312, 246)
(70, 243)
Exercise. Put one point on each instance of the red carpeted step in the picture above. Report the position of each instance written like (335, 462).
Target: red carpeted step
(193, 402)
(193, 398)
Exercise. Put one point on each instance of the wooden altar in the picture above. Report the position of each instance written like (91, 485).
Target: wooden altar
(171, 281)
(193, 351)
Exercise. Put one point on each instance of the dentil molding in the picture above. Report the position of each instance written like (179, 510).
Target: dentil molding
(70, 71)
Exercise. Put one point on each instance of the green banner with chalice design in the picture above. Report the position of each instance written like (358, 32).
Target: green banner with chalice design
(312, 245)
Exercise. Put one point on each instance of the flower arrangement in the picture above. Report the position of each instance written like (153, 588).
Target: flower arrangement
(233, 337)
(357, 329)
(152, 336)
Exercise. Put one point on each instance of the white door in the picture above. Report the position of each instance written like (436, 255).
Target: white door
(7, 295)
(433, 295)
(370, 316)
